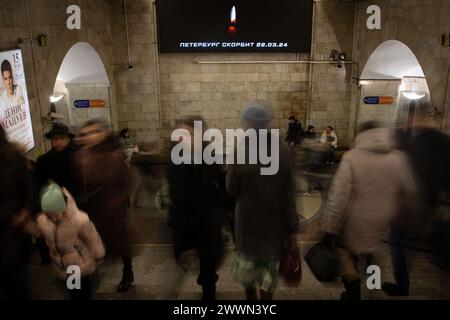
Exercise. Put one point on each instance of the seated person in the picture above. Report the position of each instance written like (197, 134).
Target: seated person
(127, 144)
(329, 139)
(310, 132)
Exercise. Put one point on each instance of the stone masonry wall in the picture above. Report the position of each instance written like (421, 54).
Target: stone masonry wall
(418, 24)
(49, 17)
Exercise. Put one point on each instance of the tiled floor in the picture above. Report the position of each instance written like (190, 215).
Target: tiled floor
(157, 276)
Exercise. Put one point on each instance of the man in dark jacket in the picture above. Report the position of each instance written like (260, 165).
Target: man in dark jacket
(16, 205)
(54, 165)
(101, 190)
(197, 216)
(429, 153)
(295, 131)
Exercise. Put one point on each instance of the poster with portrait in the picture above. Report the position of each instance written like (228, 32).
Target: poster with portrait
(15, 115)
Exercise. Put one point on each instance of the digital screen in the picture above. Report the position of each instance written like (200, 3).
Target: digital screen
(234, 26)
(15, 115)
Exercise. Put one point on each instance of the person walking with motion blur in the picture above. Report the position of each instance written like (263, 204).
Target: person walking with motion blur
(71, 238)
(429, 152)
(101, 189)
(196, 211)
(54, 165)
(371, 182)
(17, 200)
(265, 213)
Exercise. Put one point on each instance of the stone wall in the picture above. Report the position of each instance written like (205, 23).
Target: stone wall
(384, 114)
(195, 84)
(330, 86)
(162, 88)
(317, 94)
(78, 116)
(418, 24)
(219, 91)
(136, 98)
(42, 63)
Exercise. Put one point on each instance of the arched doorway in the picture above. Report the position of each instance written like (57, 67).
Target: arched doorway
(81, 90)
(391, 83)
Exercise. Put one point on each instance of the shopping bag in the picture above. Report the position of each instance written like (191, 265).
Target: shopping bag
(322, 259)
(290, 264)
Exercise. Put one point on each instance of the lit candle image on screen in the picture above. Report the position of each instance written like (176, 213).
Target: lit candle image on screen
(232, 28)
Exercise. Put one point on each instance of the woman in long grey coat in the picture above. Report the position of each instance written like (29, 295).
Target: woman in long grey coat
(372, 182)
(265, 214)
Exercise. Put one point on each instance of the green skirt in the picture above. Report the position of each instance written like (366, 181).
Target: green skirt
(253, 273)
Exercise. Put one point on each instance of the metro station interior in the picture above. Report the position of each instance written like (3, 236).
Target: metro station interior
(136, 70)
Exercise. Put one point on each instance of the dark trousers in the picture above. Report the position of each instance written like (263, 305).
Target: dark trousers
(127, 261)
(210, 250)
(399, 259)
(329, 154)
(85, 292)
(43, 251)
(205, 236)
(14, 286)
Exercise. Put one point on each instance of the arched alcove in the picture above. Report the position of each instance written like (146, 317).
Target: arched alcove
(394, 74)
(81, 76)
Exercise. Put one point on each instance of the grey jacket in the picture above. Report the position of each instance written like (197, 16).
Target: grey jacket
(265, 208)
(73, 240)
(371, 184)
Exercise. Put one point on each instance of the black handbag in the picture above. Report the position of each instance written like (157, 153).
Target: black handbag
(322, 259)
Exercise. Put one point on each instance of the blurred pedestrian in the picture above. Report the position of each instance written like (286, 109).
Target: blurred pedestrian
(71, 237)
(54, 165)
(16, 205)
(196, 212)
(265, 213)
(101, 190)
(371, 182)
(429, 152)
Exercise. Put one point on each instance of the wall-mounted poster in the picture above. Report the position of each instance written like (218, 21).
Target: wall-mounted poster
(15, 115)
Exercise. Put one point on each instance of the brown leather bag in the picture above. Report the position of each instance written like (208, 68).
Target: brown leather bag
(290, 264)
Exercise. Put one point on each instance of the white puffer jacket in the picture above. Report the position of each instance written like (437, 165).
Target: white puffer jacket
(372, 183)
(73, 240)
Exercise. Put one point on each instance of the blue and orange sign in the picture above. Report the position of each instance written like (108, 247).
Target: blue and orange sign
(379, 100)
(89, 104)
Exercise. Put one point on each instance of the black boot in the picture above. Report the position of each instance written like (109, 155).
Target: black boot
(251, 294)
(352, 290)
(393, 290)
(127, 280)
(209, 293)
(265, 295)
(127, 276)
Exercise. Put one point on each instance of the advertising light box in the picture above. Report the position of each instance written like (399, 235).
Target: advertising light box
(15, 115)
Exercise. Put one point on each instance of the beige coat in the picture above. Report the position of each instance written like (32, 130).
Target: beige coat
(73, 240)
(371, 184)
